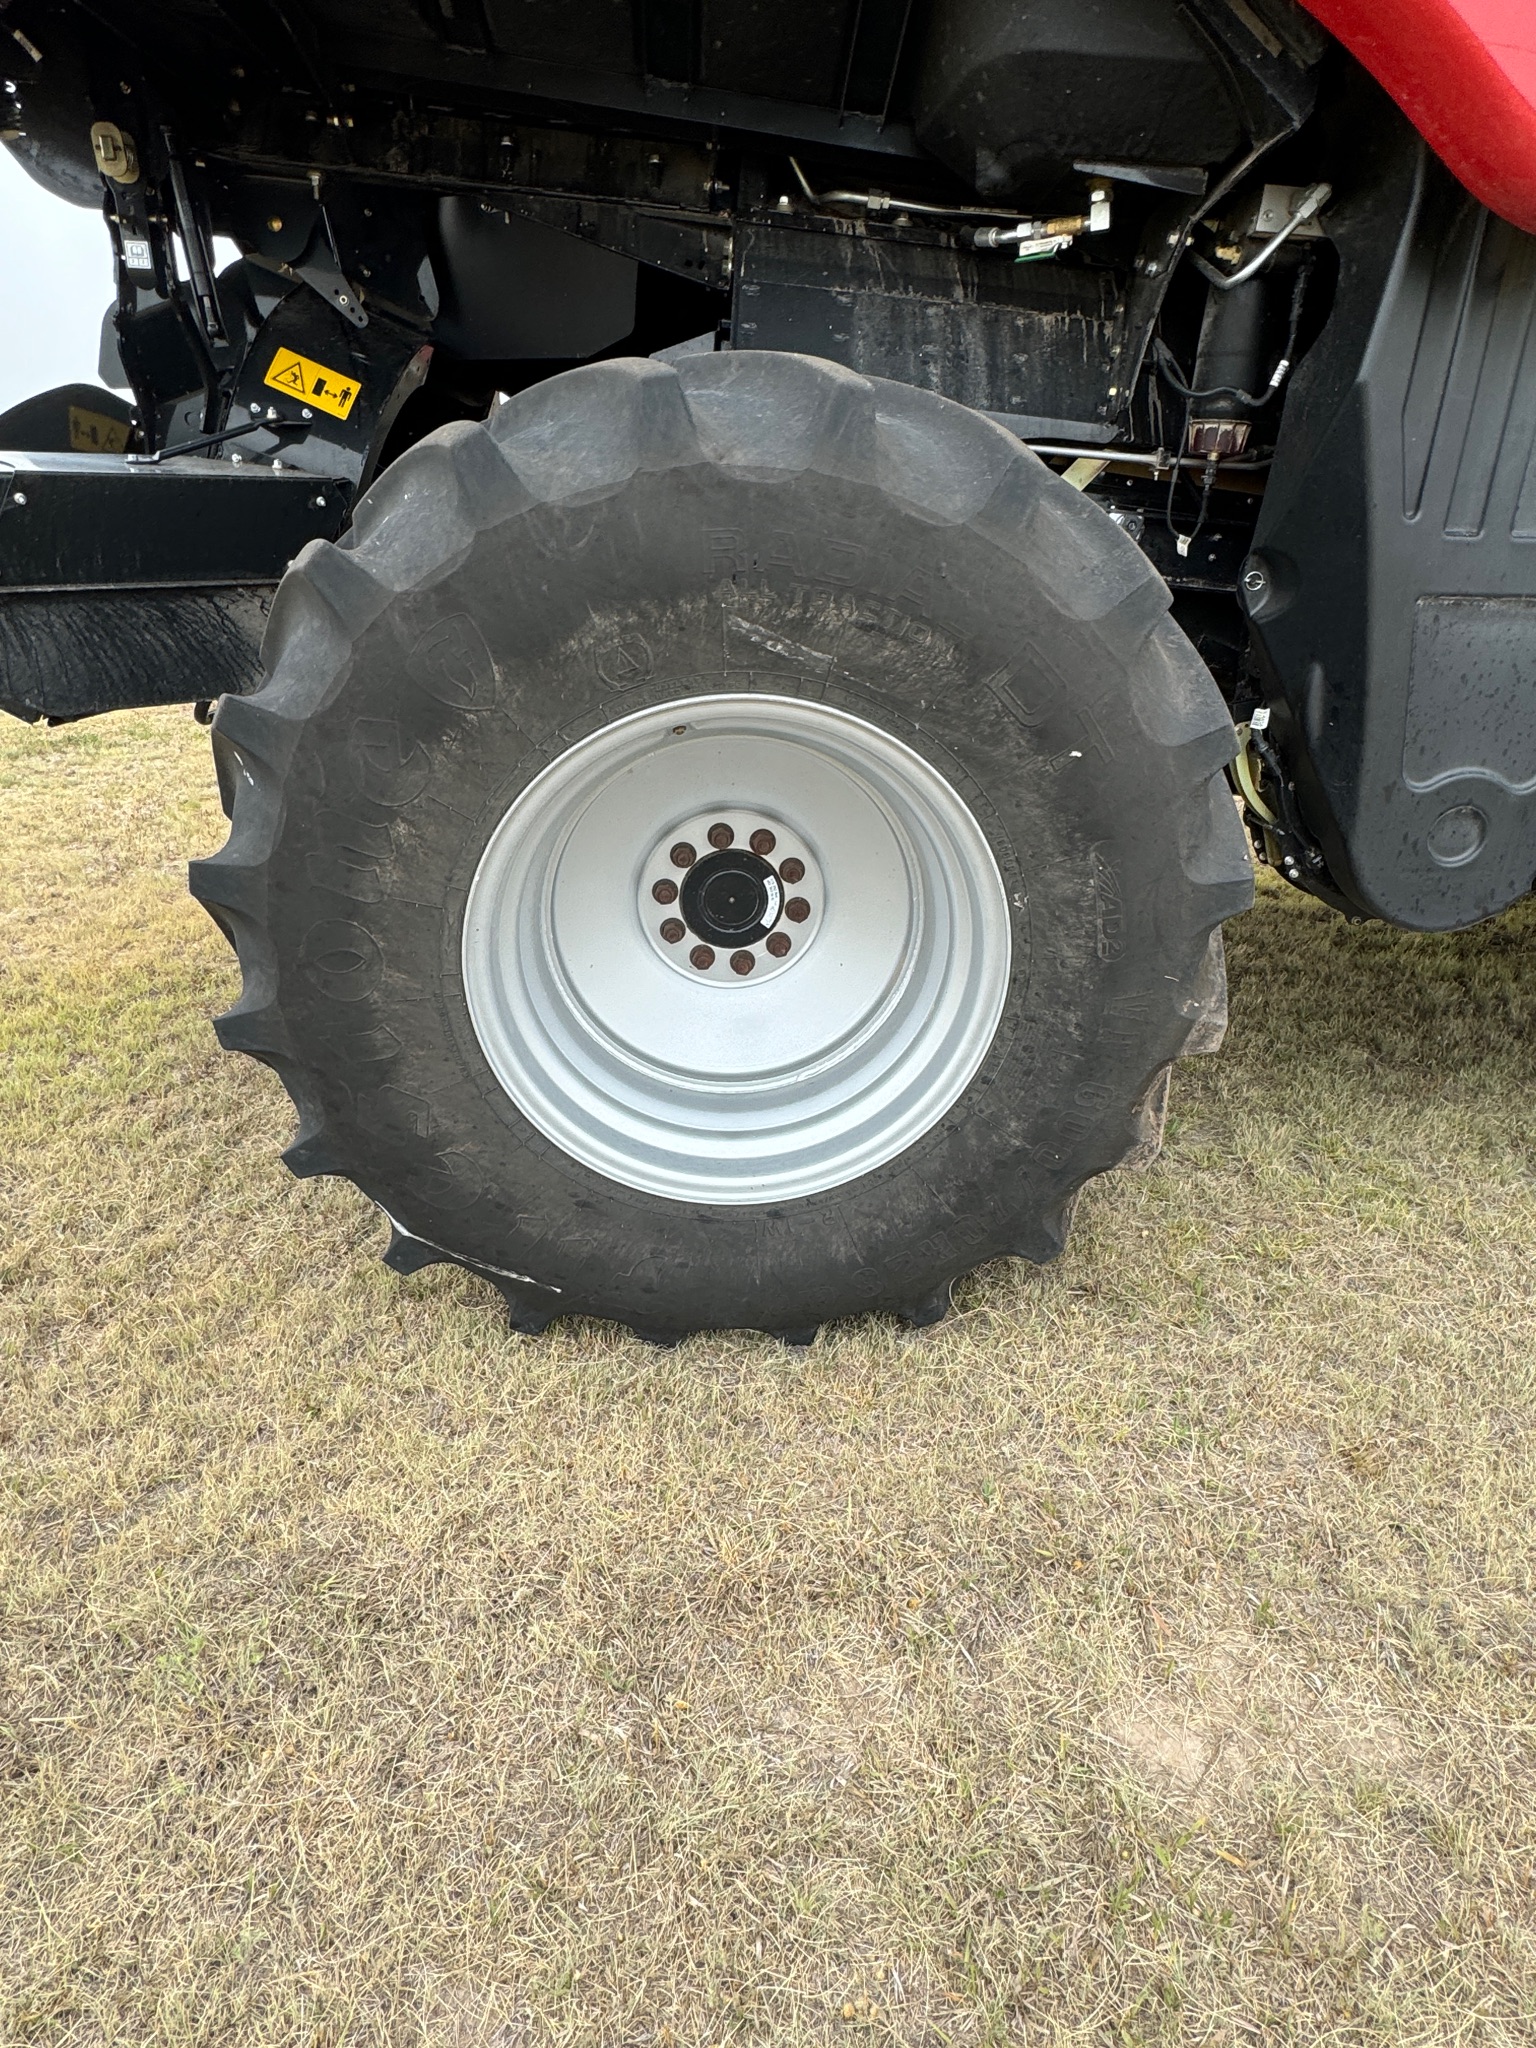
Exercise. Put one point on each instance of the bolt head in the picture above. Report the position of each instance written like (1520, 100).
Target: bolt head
(797, 910)
(762, 842)
(703, 957)
(743, 962)
(779, 944)
(792, 871)
(673, 930)
(720, 837)
(682, 855)
(664, 892)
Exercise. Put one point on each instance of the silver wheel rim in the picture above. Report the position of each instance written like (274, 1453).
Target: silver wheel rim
(816, 1064)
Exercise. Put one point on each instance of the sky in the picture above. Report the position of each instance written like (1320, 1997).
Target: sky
(56, 261)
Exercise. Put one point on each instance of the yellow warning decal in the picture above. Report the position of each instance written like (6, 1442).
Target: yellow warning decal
(297, 377)
(96, 433)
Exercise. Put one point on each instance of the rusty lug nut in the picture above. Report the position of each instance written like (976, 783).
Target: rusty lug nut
(664, 892)
(762, 841)
(778, 944)
(673, 929)
(743, 963)
(720, 837)
(703, 957)
(797, 910)
(792, 870)
(682, 855)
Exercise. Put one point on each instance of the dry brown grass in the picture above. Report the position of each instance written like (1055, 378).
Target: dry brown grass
(1145, 1655)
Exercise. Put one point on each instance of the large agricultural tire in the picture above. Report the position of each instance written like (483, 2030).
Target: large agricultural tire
(647, 609)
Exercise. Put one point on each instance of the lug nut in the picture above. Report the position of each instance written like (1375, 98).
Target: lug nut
(720, 837)
(673, 929)
(664, 892)
(743, 963)
(792, 870)
(683, 855)
(797, 910)
(703, 957)
(762, 842)
(778, 944)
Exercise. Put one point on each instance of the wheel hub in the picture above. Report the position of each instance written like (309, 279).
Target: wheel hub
(732, 898)
(731, 894)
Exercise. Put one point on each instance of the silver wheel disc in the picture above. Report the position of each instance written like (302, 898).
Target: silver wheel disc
(872, 922)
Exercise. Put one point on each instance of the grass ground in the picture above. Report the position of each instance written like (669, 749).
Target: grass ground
(1147, 1654)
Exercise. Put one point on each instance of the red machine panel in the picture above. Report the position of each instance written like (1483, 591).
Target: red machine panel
(1464, 72)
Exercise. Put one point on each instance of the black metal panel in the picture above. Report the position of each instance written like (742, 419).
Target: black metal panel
(791, 51)
(395, 70)
(697, 250)
(1004, 337)
(1393, 588)
(512, 287)
(102, 522)
(461, 24)
(669, 39)
(876, 45)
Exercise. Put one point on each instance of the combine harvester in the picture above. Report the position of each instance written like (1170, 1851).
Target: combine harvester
(768, 531)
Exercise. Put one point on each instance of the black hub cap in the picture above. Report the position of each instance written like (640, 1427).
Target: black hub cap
(732, 898)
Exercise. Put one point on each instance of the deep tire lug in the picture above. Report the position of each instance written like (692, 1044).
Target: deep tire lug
(405, 1254)
(929, 1308)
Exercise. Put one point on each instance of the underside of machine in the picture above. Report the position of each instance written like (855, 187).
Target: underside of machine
(1185, 249)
